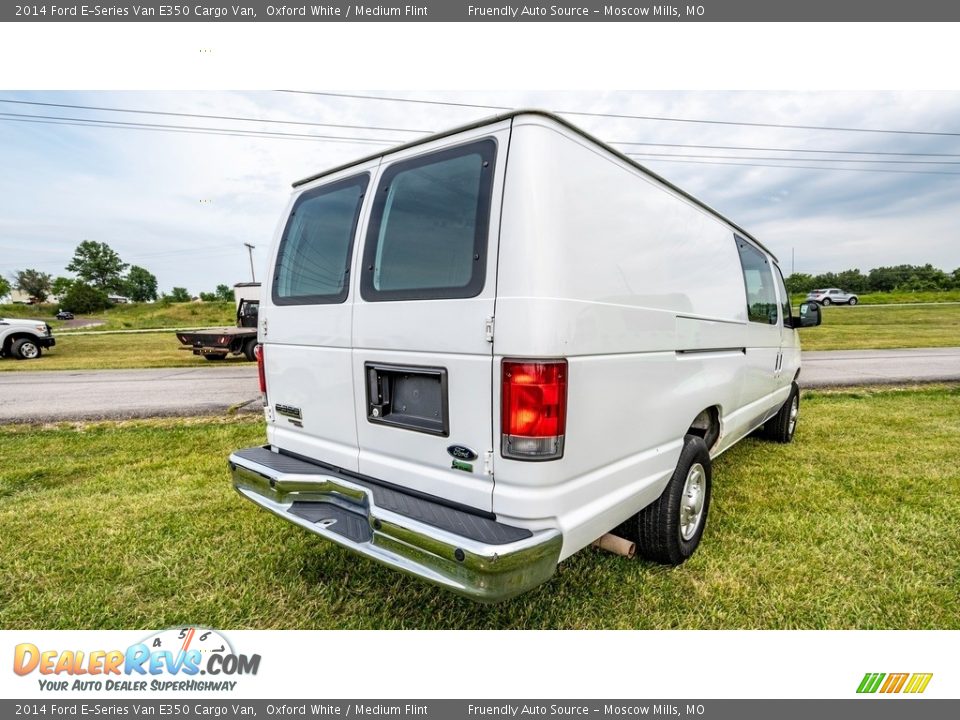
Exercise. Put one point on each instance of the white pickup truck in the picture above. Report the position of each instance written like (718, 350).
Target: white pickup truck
(23, 339)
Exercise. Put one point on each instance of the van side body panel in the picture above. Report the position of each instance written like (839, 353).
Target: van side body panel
(642, 292)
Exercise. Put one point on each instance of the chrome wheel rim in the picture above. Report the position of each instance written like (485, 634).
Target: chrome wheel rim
(692, 501)
(29, 351)
(794, 412)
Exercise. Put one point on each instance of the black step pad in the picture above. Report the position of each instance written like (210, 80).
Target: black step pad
(345, 523)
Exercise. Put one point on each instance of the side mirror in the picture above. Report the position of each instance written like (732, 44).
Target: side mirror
(809, 315)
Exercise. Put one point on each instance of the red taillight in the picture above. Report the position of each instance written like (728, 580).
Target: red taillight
(533, 409)
(258, 353)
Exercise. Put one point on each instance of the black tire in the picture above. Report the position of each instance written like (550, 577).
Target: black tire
(249, 348)
(657, 529)
(826, 301)
(215, 356)
(782, 426)
(852, 301)
(25, 349)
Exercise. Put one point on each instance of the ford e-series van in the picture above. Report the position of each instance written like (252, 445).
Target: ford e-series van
(484, 350)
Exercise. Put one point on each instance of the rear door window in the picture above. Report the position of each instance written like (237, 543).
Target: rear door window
(429, 225)
(313, 261)
(758, 281)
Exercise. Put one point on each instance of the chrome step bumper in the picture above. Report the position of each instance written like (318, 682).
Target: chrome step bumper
(468, 554)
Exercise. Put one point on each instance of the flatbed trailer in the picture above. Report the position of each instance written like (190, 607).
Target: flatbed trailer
(216, 343)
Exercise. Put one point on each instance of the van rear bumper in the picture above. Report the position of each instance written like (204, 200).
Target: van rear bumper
(469, 554)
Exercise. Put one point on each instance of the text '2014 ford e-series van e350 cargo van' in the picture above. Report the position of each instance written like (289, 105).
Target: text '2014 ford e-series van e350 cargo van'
(481, 351)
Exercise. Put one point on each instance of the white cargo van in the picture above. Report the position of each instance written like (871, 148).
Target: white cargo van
(483, 350)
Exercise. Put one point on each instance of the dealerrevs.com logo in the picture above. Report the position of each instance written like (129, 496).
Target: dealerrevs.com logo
(168, 660)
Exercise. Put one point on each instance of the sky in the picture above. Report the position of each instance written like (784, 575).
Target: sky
(183, 204)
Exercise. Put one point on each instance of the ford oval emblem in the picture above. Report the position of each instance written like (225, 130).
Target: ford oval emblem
(461, 453)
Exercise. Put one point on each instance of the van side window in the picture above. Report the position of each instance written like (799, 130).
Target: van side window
(313, 261)
(429, 225)
(785, 306)
(758, 280)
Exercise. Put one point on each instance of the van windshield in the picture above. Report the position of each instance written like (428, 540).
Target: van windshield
(428, 230)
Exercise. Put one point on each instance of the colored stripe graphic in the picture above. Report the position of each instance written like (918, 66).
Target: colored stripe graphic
(894, 683)
(918, 683)
(870, 682)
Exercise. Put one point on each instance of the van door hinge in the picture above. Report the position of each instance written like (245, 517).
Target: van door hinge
(488, 462)
(488, 330)
(263, 325)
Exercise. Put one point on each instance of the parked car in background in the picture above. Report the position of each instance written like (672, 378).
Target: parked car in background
(64, 315)
(23, 339)
(832, 296)
(473, 368)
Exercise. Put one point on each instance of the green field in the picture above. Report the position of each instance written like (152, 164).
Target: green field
(843, 328)
(114, 351)
(135, 525)
(136, 316)
(897, 297)
(863, 327)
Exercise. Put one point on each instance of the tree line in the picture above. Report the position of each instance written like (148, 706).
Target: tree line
(100, 272)
(901, 278)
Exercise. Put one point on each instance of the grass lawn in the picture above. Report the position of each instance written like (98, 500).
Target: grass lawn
(897, 296)
(863, 327)
(843, 328)
(135, 525)
(137, 316)
(114, 351)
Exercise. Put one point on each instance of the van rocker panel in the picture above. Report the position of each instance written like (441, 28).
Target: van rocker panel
(469, 554)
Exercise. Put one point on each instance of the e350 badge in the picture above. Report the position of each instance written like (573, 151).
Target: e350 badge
(185, 652)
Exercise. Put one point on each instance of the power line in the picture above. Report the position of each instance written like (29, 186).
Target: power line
(774, 149)
(210, 117)
(785, 159)
(423, 131)
(804, 167)
(620, 116)
(267, 133)
(186, 131)
(124, 125)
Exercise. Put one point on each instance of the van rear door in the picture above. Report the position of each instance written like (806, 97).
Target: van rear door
(422, 325)
(305, 322)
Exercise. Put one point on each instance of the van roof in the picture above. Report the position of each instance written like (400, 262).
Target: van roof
(500, 117)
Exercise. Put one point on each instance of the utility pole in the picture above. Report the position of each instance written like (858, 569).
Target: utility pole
(253, 276)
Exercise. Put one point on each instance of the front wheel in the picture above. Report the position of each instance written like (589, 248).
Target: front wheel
(25, 349)
(668, 531)
(852, 301)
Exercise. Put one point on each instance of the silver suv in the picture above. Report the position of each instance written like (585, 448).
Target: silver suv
(832, 296)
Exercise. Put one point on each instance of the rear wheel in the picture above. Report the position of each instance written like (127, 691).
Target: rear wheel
(669, 530)
(826, 301)
(781, 427)
(249, 349)
(25, 349)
